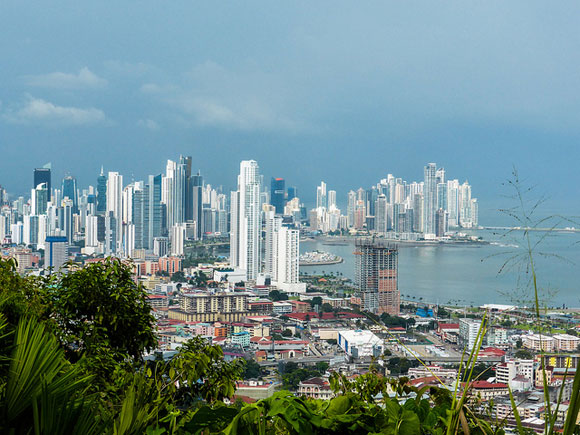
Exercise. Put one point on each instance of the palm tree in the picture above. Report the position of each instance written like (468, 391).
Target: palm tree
(43, 392)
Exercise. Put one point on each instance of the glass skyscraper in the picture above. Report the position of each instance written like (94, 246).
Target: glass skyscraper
(277, 194)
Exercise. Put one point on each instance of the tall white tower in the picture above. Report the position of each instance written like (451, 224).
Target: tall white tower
(115, 202)
(246, 224)
(430, 198)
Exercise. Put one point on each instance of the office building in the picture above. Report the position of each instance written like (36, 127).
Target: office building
(197, 216)
(430, 198)
(468, 331)
(376, 276)
(42, 175)
(69, 190)
(101, 193)
(246, 225)
(56, 254)
(277, 194)
(211, 307)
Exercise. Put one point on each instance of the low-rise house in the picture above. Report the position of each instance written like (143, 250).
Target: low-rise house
(315, 388)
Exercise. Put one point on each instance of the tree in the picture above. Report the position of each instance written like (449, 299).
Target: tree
(252, 370)
(100, 310)
(200, 279)
(326, 308)
(322, 366)
(287, 333)
(524, 354)
(178, 276)
(277, 295)
(317, 300)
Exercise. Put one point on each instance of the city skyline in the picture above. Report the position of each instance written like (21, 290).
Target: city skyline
(318, 93)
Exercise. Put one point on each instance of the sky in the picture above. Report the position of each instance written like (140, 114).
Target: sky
(344, 92)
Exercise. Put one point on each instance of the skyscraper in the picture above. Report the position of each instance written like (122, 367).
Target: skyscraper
(42, 175)
(115, 206)
(321, 195)
(277, 194)
(196, 188)
(69, 190)
(430, 198)
(381, 214)
(376, 276)
(101, 193)
(154, 210)
(246, 225)
(39, 199)
(56, 253)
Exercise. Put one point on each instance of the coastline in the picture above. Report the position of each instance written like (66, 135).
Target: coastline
(345, 240)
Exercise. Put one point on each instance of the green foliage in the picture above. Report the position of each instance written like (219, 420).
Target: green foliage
(394, 321)
(524, 354)
(317, 300)
(252, 370)
(100, 309)
(326, 308)
(42, 390)
(400, 366)
(277, 295)
(178, 276)
(292, 374)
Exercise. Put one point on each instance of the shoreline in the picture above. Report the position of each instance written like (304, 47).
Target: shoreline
(346, 240)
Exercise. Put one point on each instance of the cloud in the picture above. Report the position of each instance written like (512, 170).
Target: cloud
(38, 111)
(85, 79)
(210, 95)
(148, 124)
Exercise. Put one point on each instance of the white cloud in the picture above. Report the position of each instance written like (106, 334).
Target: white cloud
(210, 95)
(149, 124)
(38, 111)
(84, 79)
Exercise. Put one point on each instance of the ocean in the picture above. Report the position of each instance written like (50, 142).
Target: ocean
(472, 274)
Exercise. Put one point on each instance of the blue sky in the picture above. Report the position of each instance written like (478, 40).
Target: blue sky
(337, 91)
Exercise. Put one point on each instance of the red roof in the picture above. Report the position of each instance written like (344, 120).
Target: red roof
(290, 342)
(492, 351)
(484, 385)
(448, 325)
(261, 353)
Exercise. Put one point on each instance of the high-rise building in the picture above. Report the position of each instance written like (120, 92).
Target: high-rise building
(430, 198)
(273, 224)
(110, 234)
(246, 225)
(115, 206)
(69, 190)
(277, 194)
(288, 253)
(321, 196)
(441, 223)
(181, 189)
(154, 209)
(376, 276)
(292, 193)
(350, 210)
(42, 175)
(39, 199)
(101, 193)
(56, 253)
(178, 235)
(381, 214)
(196, 187)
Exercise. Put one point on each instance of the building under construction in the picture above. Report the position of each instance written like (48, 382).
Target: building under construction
(376, 276)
